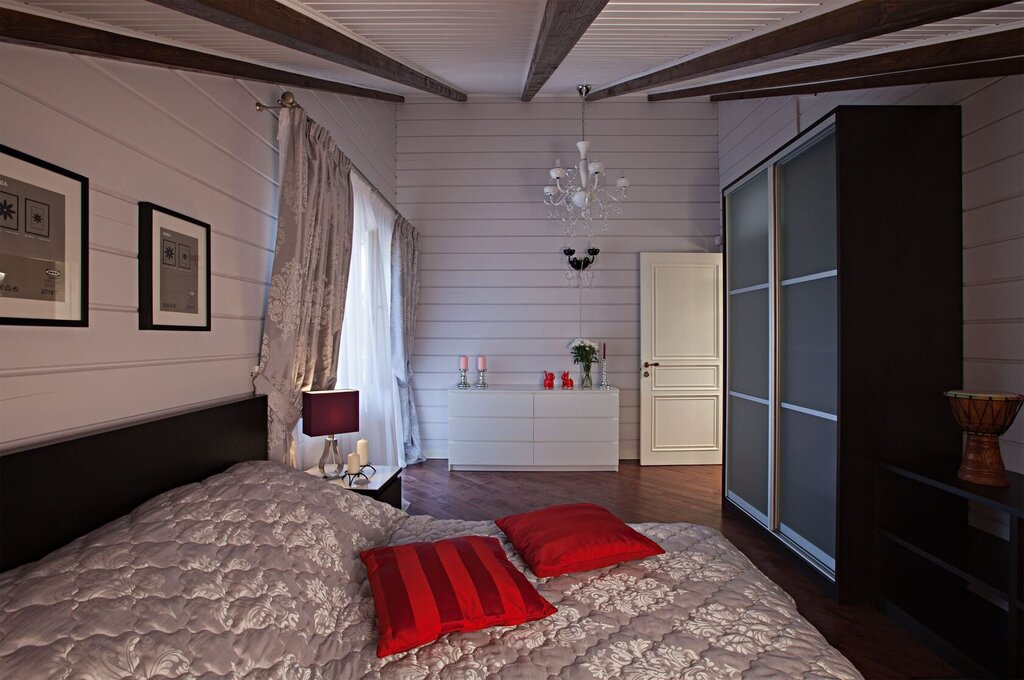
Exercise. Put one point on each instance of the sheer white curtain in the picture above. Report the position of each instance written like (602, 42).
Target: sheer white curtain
(365, 358)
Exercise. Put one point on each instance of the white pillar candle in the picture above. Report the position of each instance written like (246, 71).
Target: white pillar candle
(363, 449)
(353, 463)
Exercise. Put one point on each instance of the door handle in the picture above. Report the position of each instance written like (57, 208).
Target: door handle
(653, 363)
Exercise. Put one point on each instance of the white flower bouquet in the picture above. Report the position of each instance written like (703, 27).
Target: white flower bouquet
(584, 352)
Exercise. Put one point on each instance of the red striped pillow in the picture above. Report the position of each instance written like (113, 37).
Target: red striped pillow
(424, 590)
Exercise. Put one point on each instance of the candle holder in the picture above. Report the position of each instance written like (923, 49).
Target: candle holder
(363, 467)
(463, 382)
(481, 379)
(351, 477)
(604, 375)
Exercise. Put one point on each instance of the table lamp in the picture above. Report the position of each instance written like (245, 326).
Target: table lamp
(330, 412)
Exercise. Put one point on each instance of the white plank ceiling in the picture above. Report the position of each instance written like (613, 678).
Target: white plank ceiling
(483, 47)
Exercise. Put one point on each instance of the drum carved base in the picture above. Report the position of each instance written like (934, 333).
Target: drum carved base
(984, 416)
(982, 462)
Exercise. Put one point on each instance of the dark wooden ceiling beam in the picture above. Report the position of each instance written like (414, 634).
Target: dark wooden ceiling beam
(981, 69)
(23, 28)
(282, 25)
(856, 21)
(564, 23)
(997, 45)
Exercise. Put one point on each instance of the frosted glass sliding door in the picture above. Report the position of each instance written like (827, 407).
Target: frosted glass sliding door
(748, 269)
(808, 348)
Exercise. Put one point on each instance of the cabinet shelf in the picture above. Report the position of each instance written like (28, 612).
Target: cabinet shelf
(977, 637)
(942, 475)
(969, 626)
(969, 553)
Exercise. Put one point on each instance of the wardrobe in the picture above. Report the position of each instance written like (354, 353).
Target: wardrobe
(843, 325)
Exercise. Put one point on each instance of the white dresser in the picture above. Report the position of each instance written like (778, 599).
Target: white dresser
(523, 428)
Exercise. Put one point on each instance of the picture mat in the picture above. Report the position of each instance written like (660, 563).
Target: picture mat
(179, 272)
(31, 242)
(162, 222)
(70, 308)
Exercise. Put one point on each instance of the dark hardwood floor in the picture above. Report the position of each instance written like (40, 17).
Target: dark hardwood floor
(878, 647)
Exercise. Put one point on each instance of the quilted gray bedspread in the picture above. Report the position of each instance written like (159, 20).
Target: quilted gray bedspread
(255, 573)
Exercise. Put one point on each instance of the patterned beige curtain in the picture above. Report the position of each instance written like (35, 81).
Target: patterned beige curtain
(405, 293)
(302, 328)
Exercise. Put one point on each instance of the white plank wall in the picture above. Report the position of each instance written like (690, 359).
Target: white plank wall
(993, 199)
(192, 143)
(470, 178)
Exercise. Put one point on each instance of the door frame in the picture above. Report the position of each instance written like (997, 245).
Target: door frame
(648, 374)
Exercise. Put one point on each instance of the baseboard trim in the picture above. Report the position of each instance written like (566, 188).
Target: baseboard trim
(438, 454)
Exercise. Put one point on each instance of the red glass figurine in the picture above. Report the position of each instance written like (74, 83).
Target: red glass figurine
(549, 381)
(567, 383)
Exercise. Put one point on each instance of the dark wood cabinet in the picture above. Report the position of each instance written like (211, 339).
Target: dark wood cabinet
(959, 587)
(384, 484)
(390, 492)
(843, 325)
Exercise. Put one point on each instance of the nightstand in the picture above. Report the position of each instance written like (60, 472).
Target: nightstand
(385, 485)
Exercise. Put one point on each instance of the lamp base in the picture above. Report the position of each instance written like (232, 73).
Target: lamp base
(331, 456)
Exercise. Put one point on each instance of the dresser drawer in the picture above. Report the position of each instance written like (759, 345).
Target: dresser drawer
(484, 404)
(490, 429)
(490, 453)
(577, 404)
(576, 453)
(576, 429)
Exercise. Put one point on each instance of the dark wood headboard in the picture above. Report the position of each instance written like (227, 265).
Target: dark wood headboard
(55, 493)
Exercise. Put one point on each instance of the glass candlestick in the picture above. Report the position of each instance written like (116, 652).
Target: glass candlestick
(604, 374)
(463, 382)
(481, 380)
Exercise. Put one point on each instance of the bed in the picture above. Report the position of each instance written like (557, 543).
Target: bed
(254, 573)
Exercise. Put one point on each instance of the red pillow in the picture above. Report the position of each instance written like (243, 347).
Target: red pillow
(424, 590)
(576, 537)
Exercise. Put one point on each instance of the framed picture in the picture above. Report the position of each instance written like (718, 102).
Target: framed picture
(174, 271)
(44, 243)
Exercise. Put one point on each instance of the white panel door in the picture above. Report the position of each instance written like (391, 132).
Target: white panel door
(681, 358)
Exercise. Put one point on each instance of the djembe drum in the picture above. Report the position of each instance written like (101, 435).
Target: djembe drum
(984, 416)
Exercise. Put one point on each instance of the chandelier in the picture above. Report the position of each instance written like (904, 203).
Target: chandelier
(579, 196)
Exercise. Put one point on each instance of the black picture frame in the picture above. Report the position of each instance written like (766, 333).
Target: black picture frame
(76, 237)
(152, 315)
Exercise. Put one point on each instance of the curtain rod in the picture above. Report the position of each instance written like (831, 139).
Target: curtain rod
(287, 101)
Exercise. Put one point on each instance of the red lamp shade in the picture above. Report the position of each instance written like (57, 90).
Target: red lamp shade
(330, 412)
